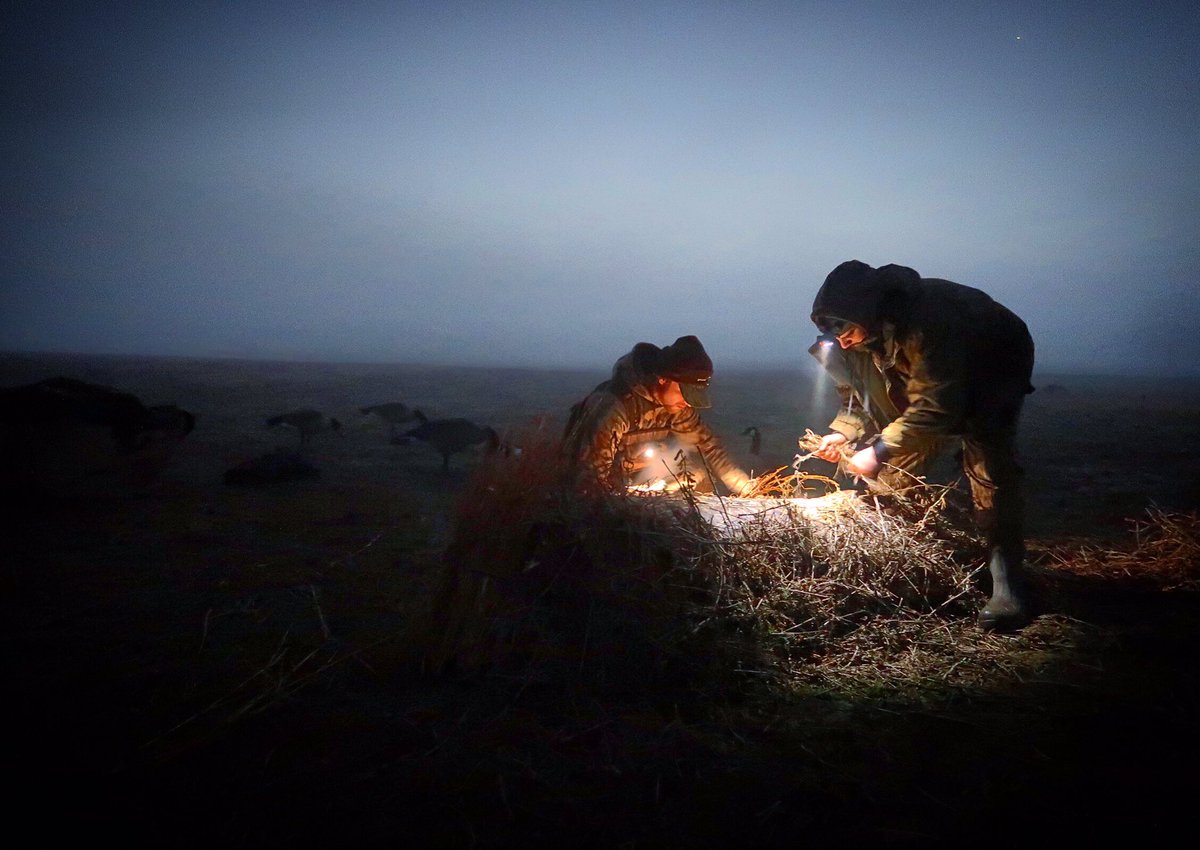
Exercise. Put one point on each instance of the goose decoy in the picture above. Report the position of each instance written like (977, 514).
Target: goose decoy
(450, 436)
(393, 413)
(305, 422)
(274, 467)
(64, 436)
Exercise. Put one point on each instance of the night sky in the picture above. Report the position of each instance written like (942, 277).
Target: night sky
(547, 183)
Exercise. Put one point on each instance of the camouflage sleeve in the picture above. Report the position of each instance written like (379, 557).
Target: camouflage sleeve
(597, 438)
(937, 394)
(693, 431)
(851, 421)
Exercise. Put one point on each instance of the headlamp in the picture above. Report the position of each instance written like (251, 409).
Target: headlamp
(824, 342)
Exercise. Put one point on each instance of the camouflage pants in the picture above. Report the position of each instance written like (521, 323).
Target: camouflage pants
(990, 464)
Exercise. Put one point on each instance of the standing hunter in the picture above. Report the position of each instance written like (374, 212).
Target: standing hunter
(651, 398)
(919, 363)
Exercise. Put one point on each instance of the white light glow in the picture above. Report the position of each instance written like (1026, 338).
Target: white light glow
(659, 485)
(820, 385)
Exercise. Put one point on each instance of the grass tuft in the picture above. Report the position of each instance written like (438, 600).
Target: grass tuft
(863, 595)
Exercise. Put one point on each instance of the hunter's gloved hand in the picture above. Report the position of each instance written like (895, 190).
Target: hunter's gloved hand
(831, 447)
(864, 463)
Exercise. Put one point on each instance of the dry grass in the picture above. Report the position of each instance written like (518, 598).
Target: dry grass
(858, 595)
(163, 649)
(1164, 555)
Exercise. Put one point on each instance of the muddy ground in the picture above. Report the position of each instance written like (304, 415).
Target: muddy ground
(202, 665)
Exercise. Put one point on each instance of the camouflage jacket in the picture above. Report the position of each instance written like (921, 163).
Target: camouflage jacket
(943, 359)
(605, 429)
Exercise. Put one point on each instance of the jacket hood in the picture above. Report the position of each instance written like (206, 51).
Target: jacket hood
(637, 370)
(856, 292)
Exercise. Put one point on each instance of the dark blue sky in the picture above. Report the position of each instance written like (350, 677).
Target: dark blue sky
(545, 184)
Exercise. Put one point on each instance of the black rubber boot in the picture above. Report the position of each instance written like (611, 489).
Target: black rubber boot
(1010, 607)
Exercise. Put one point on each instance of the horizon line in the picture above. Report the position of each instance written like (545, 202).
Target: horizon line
(736, 365)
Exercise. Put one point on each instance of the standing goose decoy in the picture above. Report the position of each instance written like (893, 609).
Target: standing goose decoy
(393, 413)
(305, 422)
(755, 439)
(450, 436)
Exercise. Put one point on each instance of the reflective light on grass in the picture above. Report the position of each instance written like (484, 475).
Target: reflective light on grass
(656, 486)
(730, 514)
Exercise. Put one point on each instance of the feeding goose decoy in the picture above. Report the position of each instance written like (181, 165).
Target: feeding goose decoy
(63, 436)
(755, 439)
(275, 467)
(305, 422)
(451, 436)
(393, 413)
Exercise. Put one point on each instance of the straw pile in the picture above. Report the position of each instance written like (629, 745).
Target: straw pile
(1165, 554)
(839, 592)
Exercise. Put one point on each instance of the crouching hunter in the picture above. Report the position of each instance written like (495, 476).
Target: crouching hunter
(617, 434)
(920, 364)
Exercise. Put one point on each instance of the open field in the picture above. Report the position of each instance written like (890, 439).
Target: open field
(201, 665)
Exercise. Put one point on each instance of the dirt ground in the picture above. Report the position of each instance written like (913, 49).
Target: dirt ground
(204, 665)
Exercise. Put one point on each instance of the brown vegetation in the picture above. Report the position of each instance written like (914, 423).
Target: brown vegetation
(325, 662)
(858, 595)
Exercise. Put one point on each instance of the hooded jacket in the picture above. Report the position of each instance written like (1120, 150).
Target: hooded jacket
(620, 413)
(941, 359)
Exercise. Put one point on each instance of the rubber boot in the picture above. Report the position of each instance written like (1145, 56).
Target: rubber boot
(1009, 608)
